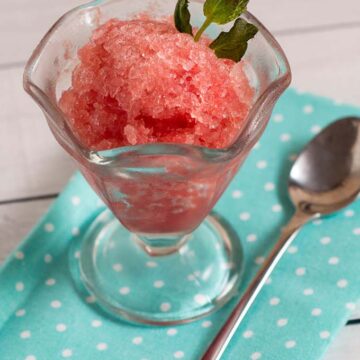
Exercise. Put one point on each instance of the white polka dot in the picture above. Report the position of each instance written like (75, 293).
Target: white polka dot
(206, 324)
(49, 227)
(117, 267)
(255, 356)
(269, 186)
(245, 216)
(237, 194)
(75, 200)
(191, 277)
(282, 322)
(292, 250)
(268, 281)
(50, 282)
(277, 208)
(19, 286)
(75, 231)
(290, 344)
(343, 283)
(19, 255)
(300, 271)
(90, 299)
(171, 332)
(356, 231)
(137, 340)
(274, 301)
(317, 222)
(349, 213)
(178, 355)
(102, 346)
(324, 334)
(285, 137)
(259, 260)
(261, 164)
(60, 327)
(164, 307)
(25, 334)
(325, 240)
(77, 254)
(278, 118)
(30, 357)
(308, 292)
(316, 312)
(315, 129)
(248, 334)
(201, 299)
(55, 304)
(227, 265)
(308, 109)
(124, 290)
(20, 312)
(334, 260)
(257, 145)
(159, 284)
(351, 306)
(96, 323)
(251, 238)
(151, 264)
(48, 258)
(66, 353)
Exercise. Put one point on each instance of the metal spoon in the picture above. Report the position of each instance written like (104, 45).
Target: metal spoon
(324, 179)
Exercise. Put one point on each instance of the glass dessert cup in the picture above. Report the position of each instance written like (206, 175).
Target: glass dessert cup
(156, 256)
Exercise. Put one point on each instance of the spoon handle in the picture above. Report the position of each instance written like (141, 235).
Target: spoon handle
(222, 339)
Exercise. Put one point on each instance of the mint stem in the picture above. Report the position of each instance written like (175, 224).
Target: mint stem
(204, 26)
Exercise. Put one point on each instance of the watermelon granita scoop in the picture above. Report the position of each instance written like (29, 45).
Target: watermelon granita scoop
(141, 81)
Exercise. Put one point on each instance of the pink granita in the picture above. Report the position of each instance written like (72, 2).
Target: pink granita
(141, 81)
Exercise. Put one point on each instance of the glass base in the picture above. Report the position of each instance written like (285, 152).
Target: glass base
(130, 284)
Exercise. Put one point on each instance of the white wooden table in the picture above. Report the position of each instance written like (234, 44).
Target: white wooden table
(320, 37)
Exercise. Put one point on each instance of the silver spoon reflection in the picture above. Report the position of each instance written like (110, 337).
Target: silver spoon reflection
(324, 179)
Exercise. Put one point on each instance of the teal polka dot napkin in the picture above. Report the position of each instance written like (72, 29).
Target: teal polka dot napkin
(307, 300)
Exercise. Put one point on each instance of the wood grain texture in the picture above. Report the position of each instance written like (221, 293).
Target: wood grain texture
(16, 220)
(33, 163)
(346, 346)
(321, 67)
(25, 22)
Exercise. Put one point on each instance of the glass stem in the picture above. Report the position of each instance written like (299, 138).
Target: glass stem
(161, 245)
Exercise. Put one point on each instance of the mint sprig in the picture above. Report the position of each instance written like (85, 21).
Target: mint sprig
(230, 45)
(233, 44)
(182, 17)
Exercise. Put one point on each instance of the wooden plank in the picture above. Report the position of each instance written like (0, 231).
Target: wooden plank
(33, 159)
(25, 22)
(346, 345)
(320, 67)
(16, 220)
(279, 15)
(31, 163)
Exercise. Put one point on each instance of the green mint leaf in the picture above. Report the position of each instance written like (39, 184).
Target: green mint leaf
(233, 44)
(224, 11)
(182, 17)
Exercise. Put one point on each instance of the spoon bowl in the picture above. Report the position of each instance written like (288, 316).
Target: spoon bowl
(326, 175)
